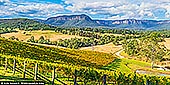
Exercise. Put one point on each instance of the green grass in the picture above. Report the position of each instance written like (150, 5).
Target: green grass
(126, 65)
(130, 65)
(124, 54)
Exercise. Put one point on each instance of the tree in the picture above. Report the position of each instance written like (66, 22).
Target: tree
(31, 39)
(147, 47)
(152, 50)
(41, 40)
(131, 47)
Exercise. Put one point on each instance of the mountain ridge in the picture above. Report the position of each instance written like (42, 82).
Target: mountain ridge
(85, 21)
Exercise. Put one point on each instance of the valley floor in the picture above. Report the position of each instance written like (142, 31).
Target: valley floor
(47, 34)
(120, 63)
(107, 48)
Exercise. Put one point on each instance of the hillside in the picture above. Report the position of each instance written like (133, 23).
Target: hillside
(89, 65)
(81, 21)
(57, 55)
(73, 20)
(22, 23)
(86, 21)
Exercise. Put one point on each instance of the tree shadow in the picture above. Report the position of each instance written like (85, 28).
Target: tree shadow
(113, 65)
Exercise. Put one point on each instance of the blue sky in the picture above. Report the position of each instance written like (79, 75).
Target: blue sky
(96, 9)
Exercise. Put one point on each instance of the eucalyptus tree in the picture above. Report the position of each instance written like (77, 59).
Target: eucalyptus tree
(151, 49)
(147, 47)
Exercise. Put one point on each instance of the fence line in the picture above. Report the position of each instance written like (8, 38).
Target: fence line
(35, 74)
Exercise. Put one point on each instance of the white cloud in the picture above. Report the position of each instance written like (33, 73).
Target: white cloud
(109, 9)
(38, 8)
(120, 9)
(114, 17)
(30, 9)
(4, 0)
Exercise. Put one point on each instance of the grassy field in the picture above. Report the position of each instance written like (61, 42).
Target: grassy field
(25, 35)
(127, 65)
(130, 65)
(167, 43)
(107, 48)
(114, 34)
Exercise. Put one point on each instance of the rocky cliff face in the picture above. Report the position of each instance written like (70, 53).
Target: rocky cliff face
(71, 17)
(71, 20)
(127, 21)
(85, 21)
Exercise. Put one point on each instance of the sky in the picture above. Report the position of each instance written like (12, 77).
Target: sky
(96, 9)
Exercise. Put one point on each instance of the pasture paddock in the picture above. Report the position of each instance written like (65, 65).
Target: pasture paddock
(47, 34)
(107, 48)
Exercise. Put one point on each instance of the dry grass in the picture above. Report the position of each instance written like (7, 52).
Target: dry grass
(114, 34)
(107, 48)
(109, 34)
(53, 36)
(167, 43)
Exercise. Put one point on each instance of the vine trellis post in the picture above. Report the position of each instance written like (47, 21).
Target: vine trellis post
(24, 70)
(36, 71)
(53, 76)
(14, 66)
(6, 64)
(104, 79)
(75, 77)
(147, 82)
